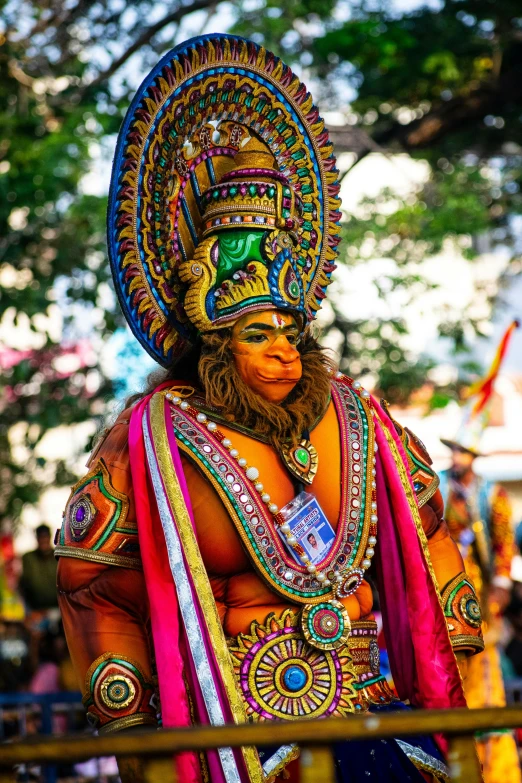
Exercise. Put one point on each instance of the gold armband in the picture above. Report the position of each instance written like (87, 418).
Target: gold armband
(463, 615)
(117, 695)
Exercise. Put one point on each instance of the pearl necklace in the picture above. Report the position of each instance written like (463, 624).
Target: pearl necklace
(345, 583)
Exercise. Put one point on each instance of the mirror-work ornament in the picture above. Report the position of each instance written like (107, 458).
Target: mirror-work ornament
(224, 196)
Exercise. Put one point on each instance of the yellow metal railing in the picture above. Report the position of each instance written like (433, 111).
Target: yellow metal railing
(313, 736)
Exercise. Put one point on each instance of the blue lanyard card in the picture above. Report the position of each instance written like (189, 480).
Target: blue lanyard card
(310, 527)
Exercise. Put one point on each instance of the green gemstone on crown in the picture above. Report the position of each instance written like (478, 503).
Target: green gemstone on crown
(293, 289)
(252, 190)
(302, 456)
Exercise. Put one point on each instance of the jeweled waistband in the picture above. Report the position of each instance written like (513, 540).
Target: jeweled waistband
(282, 677)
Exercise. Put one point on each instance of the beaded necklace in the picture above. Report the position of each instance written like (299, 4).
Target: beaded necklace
(320, 617)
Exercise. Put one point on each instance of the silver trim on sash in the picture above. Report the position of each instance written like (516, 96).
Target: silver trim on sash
(425, 759)
(188, 610)
(278, 758)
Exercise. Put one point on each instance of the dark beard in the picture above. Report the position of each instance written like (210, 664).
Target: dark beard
(282, 423)
(457, 472)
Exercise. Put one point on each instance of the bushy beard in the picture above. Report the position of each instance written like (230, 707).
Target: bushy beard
(457, 472)
(279, 423)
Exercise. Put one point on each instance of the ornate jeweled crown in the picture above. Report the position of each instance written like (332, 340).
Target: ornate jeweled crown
(224, 195)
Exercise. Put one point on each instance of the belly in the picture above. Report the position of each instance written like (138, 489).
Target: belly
(244, 598)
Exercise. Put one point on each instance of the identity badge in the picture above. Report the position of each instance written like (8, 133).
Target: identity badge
(309, 525)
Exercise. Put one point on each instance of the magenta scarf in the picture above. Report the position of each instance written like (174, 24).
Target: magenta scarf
(422, 660)
(421, 657)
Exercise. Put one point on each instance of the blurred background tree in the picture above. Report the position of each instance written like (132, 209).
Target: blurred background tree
(441, 84)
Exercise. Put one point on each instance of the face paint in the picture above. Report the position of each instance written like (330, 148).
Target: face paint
(264, 345)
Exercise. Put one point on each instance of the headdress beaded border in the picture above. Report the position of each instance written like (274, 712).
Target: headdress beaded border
(164, 335)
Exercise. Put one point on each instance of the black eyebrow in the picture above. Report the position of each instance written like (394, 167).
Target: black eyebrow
(258, 326)
(270, 327)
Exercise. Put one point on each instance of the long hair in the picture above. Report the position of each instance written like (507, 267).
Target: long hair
(284, 422)
(211, 365)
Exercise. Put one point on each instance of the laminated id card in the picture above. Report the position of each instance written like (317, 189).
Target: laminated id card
(310, 527)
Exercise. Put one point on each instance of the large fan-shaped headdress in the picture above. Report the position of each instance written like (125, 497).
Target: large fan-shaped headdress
(224, 195)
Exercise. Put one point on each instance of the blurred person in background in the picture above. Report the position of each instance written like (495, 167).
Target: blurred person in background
(38, 582)
(478, 514)
(513, 649)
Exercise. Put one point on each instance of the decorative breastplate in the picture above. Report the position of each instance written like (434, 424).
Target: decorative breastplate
(324, 620)
(311, 661)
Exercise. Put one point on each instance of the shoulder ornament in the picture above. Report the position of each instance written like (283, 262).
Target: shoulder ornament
(95, 523)
(117, 694)
(463, 615)
(425, 480)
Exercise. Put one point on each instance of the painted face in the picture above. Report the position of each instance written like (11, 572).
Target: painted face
(265, 353)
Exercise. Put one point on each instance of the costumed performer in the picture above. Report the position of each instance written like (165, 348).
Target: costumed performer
(215, 554)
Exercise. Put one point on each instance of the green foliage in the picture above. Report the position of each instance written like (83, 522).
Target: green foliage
(54, 113)
(444, 87)
(374, 347)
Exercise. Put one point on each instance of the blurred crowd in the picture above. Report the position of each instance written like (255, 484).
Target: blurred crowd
(33, 650)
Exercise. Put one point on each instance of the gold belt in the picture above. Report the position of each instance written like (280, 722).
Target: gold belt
(283, 677)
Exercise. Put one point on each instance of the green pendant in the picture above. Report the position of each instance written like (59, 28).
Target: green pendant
(301, 460)
(302, 457)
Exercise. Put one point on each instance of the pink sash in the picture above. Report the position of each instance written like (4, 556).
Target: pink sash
(421, 657)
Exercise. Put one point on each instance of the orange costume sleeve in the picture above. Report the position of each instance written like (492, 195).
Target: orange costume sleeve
(102, 593)
(459, 600)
